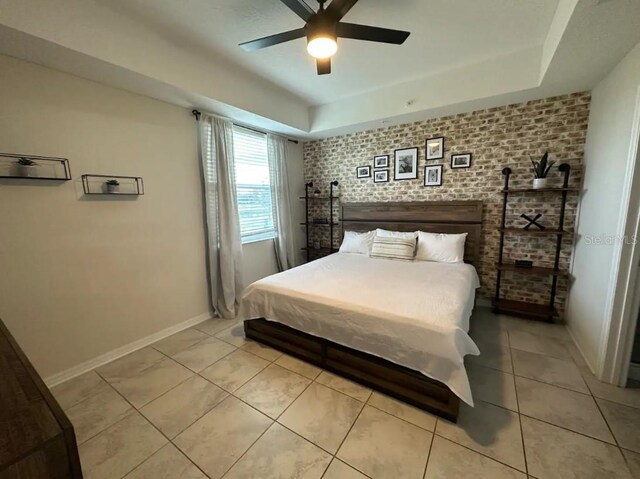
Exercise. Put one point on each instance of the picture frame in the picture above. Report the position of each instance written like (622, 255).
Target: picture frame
(433, 175)
(434, 148)
(461, 160)
(363, 172)
(405, 164)
(381, 161)
(380, 176)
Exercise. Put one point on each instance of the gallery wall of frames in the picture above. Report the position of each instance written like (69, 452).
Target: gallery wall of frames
(460, 157)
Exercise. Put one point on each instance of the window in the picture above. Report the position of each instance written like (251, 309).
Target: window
(253, 185)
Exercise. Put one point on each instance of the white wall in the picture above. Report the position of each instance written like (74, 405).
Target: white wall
(603, 210)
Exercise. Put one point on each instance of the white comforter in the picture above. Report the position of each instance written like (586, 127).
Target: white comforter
(415, 314)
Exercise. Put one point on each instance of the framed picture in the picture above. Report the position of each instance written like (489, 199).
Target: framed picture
(433, 175)
(380, 176)
(434, 148)
(461, 160)
(363, 172)
(381, 161)
(406, 164)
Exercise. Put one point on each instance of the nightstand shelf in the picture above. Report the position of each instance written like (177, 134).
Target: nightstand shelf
(311, 252)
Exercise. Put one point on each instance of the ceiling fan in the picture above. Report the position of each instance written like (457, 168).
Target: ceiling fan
(322, 30)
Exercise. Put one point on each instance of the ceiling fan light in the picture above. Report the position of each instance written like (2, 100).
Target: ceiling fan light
(322, 47)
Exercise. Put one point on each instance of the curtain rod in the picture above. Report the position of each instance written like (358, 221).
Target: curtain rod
(197, 114)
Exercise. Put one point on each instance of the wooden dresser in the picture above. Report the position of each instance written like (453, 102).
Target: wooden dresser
(36, 437)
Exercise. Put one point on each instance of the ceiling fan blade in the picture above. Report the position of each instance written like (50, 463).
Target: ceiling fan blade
(323, 65)
(372, 34)
(339, 8)
(300, 8)
(273, 40)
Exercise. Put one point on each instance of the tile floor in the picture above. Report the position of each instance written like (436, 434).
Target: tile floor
(206, 402)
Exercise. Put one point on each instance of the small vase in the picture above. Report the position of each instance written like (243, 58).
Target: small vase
(112, 188)
(539, 183)
(27, 171)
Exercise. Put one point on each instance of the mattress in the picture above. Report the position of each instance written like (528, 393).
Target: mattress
(413, 313)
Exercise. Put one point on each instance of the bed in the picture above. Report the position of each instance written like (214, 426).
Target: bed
(399, 327)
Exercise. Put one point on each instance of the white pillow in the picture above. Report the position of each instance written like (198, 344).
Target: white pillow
(397, 234)
(440, 247)
(359, 243)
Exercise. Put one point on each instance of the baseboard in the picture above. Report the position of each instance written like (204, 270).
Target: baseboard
(87, 366)
(577, 345)
(634, 371)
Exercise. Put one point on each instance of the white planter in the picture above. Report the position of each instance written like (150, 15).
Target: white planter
(112, 188)
(539, 183)
(27, 171)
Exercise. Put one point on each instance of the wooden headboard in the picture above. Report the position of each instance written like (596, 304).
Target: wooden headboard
(431, 216)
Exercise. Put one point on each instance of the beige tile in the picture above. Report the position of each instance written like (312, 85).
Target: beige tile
(152, 382)
(489, 430)
(217, 440)
(120, 448)
(279, 453)
(492, 355)
(297, 366)
(179, 341)
(322, 415)
(491, 385)
(558, 372)
(556, 453)
(78, 389)
(485, 326)
(265, 352)
(344, 386)
(633, 462)
(624, 422)
(272, 390)
(564, 408)
(131, 364)
(203, 354)
(534, 343)
(234, 370)
(449, 460)
(381, 445)
(555, 331)
(177, 409)
(233, 335)
(167, 463)
(214, 325)
(403, 411)
(626, 396)
(339, 470)
(97, 413)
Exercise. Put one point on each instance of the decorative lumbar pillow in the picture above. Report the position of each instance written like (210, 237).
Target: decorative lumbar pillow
(359, 243)
(394, 247)
(440, 247)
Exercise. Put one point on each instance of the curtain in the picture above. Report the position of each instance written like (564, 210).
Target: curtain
(224, 246)
(281, 201)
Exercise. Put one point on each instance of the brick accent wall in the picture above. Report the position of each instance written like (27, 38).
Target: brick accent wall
(498, 137)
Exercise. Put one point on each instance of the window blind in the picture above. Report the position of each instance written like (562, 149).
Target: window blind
(253, 185)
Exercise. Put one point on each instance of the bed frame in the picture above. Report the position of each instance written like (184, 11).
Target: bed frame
(400, 382)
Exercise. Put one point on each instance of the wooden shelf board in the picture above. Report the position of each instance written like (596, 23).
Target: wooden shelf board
(524, 308)
(532, 231)
(535, 270)
(319, 198)
(539, 190)
(319, 250)
(319, 224)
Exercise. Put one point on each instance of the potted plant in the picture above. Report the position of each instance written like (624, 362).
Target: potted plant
(541, 170)
(26, 167)
(112, 186)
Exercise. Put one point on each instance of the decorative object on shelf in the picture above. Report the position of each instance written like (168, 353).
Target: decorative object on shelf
(528, 309)
(541, 170)
(434, 148)
(461, 160)
(15, 166)
(381, 161)
(313, 249)
(524, 263)
(363, 172)
(433, 175)
(406, 164)
(112, 185)
(532, 221)
(380, 176)
(316, 193)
